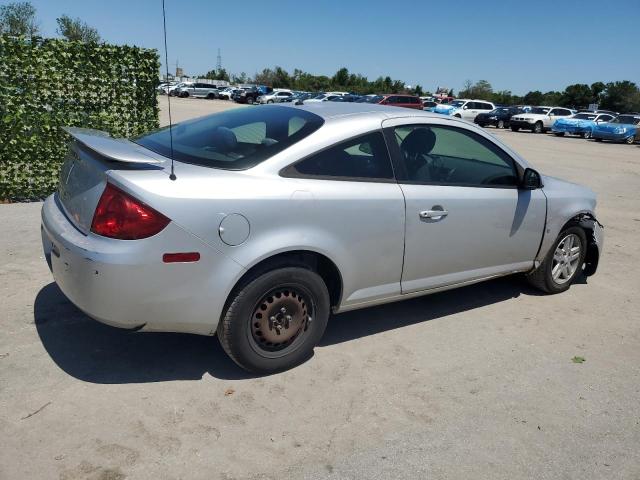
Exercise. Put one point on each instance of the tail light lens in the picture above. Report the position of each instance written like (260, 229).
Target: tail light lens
(119, 215)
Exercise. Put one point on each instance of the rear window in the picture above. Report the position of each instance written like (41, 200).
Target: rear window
(235, 139)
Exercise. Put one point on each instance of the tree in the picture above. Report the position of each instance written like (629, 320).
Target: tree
(418, 90)
(481, 90)
(621, 97)
(596, 91)
(75, 30)
(18, 19)
(341, 78)
(533, 98)
(577, 96)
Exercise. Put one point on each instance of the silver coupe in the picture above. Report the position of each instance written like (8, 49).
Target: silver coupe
(279, 215)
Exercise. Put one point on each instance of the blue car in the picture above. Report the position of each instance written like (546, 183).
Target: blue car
(625, 128)
(581, 123)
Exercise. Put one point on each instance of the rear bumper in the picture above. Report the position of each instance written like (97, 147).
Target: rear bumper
(124, 283)
(614, 137)
(574, 129)
(521, 124)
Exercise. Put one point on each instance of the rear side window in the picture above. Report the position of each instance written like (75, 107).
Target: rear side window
(235, 139)
(361, 158)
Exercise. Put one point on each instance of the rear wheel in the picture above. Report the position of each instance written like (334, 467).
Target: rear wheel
(274, 321)
(563, 263)
(538, 127)
(211, 96)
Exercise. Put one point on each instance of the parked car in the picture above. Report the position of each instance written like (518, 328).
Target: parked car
(277, 96)
(173, 90)
(539, 119)
(624, 128)
(299, 97)
(250, 241)
(199, 90)
(346, 98)
(465, 108)
(247, 95)
(226, 93)
(429, 105)
(164, 87)
(398, 100)
(499, 117)
(322, 97)
(582, 123)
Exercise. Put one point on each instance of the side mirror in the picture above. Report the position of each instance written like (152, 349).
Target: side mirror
(531, 180)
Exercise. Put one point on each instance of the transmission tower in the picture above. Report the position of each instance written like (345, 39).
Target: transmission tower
(219, 61)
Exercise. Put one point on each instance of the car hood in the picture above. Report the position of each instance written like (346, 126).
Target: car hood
(558, 187)
(577, 122)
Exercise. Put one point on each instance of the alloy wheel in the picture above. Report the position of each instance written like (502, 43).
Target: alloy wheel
(566, 259)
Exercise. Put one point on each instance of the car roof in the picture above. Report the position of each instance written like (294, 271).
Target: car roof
(333, 110)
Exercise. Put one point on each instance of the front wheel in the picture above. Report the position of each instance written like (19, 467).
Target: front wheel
(586, 135)
(559, 134)
(630, 140)
(563, 263)
(515, 129)
(275, 320)
(500, 124)
(250, 100)
(538, 127)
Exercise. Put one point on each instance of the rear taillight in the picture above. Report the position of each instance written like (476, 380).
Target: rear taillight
(119, 215)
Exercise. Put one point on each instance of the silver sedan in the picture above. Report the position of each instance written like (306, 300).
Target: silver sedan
(278, 216)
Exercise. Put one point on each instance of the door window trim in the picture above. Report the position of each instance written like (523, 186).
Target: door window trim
(400, 171)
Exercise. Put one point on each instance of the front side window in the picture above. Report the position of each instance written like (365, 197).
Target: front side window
(434, 154)
(364, 157)
(235, 139)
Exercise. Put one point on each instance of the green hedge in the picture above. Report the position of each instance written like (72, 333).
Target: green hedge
(49, 83)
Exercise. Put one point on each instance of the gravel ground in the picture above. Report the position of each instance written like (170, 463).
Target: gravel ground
(472, 383)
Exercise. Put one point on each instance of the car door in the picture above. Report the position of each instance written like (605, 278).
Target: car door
(357, 206)
(466, 218)
(470, 112)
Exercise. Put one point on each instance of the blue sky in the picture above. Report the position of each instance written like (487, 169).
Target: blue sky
(516, 45)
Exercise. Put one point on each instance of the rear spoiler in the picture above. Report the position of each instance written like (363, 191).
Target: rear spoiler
(113, 149)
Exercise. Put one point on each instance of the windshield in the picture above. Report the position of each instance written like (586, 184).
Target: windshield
(584, 116)
(457, 103)
(370, 99)
(539, 110)
(235, 139)
(628, 119)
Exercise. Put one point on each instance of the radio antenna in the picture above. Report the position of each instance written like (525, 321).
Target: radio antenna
(172, 176)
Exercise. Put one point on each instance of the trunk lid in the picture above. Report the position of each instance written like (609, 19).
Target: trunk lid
(92, 154)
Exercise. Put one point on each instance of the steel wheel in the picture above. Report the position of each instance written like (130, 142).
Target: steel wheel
(537, 128)
(566, 259)
(630, 140)
(280, 320)
(587, 134)
(500, 123)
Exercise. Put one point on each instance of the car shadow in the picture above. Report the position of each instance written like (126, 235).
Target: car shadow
(97, 353)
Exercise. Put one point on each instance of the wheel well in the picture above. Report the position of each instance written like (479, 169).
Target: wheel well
(587, 221)
(317, 262)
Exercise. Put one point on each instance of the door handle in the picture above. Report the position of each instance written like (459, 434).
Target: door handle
(434, 214)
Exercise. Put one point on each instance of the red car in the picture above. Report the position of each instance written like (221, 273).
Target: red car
(394, 100)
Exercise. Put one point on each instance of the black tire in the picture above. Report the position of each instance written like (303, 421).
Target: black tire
(515, 129)
(586, 135)
(211, 96)
(250, 100)
(538, 128)
(631, 140)
(239, 330)
(542, 278)
(500, 124)
(269, 101)
(184, 94)
(559, 134)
